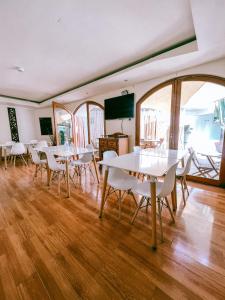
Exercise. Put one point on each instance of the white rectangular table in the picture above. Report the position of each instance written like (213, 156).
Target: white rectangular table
(67, 152)
(149, 165)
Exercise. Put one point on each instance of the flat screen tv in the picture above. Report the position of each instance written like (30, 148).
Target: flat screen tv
(121, 107)
(46, 126)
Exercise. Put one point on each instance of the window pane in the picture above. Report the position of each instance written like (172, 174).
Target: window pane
(96, 115)
(81, 129)
(155, 119)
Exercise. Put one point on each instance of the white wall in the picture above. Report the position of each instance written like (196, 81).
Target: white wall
(213, 68)
(25, 123)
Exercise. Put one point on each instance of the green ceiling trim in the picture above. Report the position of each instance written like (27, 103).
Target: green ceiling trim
(124, 67)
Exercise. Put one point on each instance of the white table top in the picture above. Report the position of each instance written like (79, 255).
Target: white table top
(164, 153)
(145, 164)
(65, 151)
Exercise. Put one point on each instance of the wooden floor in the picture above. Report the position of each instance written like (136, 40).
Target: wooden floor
(57, 248)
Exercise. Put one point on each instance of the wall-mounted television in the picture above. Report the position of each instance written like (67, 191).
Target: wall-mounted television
(121, 107)
(46, 126)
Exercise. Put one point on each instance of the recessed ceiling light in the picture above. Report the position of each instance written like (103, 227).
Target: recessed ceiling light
(19, 69)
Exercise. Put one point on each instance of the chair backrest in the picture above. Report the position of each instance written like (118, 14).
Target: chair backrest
(194, 157)
(18, 149)
(34, 156)
(169, 181)
(33, 141)
(219, 146)
(114, 173)
(52, 163)
(9, 143)
(42, 144)
(87, 157)
(187, 166)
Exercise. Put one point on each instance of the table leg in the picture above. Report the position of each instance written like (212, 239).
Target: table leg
(67, 178)
(48, 175)
(95, 166)
(153, 212)
(182, 162)
(174, 195)
(103, 192)
(5, 158)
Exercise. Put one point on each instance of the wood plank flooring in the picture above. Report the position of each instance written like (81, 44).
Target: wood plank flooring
(52, 247)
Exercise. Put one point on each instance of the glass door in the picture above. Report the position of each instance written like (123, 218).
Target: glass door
(63, 121)
(155, 117)
(201, 127)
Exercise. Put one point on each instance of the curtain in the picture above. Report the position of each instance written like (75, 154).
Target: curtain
(149, 124)
(79, 131)
(96, 124)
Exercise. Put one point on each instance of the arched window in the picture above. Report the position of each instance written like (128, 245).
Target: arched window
(187, 113)
(89, 123)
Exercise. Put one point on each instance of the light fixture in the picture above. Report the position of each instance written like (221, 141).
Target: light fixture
(125, 92)
(19, 69)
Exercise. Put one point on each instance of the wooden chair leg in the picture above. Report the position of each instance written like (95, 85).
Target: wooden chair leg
(170, 210)
(14, 160)
(41, 172)
(160, 219)
(59, 183)
(182, 188)
(186, 186)
(120, 198)
(137, 210)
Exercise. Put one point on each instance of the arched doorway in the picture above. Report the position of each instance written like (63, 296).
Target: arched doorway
(187, 112)
(89, 123)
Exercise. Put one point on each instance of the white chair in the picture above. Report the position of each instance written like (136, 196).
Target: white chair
(8, 147)
(84, 162)
(163, 189)
(119, 182)
(42, 144)
(39, 163)
(181, 174)
(56, 168)
(18, 150)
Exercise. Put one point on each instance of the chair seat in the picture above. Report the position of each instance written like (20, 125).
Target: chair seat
(143, 188)
(123, 182)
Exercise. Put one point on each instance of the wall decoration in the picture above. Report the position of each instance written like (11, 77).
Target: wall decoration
(46, 126)
(13, 124)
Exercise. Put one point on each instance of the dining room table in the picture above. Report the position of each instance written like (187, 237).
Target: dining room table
(67, 152)
(154, 163)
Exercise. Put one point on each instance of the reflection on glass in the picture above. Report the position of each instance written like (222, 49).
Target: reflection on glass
(81, 127)
(96, 115)
(202, 121)
(63, 126)
(155, 119)
(96, 124)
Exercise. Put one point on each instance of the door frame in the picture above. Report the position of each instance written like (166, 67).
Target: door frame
(175, 117)
(88, 103)
(59, 105)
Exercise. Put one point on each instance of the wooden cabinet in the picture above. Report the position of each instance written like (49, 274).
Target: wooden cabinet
(117, 142)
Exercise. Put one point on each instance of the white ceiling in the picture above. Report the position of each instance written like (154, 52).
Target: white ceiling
(62, 44)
